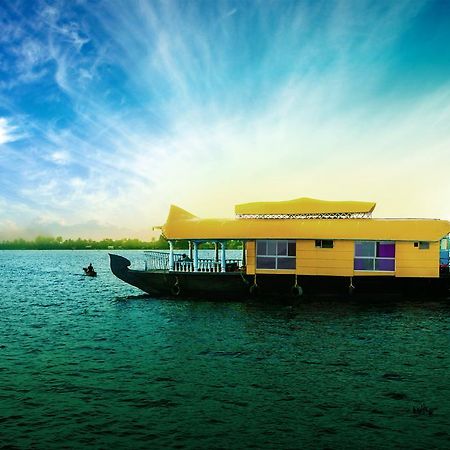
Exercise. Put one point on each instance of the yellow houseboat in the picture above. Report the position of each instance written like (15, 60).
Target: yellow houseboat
(295, 247)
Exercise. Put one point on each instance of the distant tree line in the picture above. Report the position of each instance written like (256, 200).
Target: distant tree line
(58, 243)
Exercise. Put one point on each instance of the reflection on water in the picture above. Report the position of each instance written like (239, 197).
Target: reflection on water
(94, 362)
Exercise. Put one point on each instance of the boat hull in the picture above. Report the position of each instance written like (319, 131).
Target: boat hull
(232, 285)
(236, 286)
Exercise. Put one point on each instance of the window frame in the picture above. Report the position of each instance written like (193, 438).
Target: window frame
(278, 258)
(374, 258)
(320, 242)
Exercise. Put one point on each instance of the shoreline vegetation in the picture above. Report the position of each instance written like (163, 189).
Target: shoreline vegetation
(59, 243)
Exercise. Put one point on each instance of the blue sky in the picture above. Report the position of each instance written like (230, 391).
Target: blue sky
(112, 110)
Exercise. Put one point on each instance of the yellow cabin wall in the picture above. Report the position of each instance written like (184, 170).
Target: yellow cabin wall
(338, 261)
(250, 256)
(411, 261)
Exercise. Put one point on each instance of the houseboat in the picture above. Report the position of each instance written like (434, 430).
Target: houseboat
(296, 247)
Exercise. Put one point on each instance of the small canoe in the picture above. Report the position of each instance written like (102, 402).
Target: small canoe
(89, 273)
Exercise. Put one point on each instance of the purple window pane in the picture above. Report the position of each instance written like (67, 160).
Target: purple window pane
(386, 249)
(387, 265)
(363, 264)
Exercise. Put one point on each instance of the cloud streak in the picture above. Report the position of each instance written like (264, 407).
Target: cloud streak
(8, 132)
(129, 107)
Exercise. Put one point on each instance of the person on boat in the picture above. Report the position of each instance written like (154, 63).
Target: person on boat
(90, 268)
(185, 258)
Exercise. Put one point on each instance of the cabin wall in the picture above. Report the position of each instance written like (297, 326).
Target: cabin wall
(336, 261)
(310, 260)
(251, 256)
(411, 261)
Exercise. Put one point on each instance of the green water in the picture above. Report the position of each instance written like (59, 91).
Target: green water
(92, 363)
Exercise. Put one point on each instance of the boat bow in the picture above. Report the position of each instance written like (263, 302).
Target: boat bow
(119, 266)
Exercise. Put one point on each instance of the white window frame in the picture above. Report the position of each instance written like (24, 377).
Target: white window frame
(374, 258)
(276, 256)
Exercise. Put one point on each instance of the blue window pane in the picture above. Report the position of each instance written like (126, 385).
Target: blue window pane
(261, 247)
(265, 262)
(364, 248)
(363, 264)
(385, 264)
(272, 247)
(282, 248)
(286, 263)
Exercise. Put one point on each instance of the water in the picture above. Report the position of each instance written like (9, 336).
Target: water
(91, 362)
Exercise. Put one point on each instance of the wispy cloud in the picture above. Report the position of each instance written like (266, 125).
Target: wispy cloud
(8, 132)
(129, 107)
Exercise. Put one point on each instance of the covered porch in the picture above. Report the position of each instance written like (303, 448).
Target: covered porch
(190, 260)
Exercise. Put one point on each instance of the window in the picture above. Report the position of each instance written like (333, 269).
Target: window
(422, 245)
(272, 254)
(324, 243)
(375, 256)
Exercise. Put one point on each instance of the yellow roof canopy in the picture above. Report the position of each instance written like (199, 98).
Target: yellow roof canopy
(304, 206)
(181, 224)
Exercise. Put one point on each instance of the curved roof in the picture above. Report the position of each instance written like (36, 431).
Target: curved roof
(304, 206)
(181, 224)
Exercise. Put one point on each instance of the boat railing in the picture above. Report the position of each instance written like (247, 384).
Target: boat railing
(156, 260)
(183, 266)
(159, 260)
(208, 265)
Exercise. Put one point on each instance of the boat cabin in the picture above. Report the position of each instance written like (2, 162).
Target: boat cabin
(310, 237)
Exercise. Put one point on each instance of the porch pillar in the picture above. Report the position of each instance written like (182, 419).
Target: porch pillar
(195, 256)
(170, 255)
(190, 249)
(244, 262)
(216, 249)
(223, 261)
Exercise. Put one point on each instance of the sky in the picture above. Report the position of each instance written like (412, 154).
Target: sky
(111, 111)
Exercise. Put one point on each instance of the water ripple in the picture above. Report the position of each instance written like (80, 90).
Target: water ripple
(95, 363)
